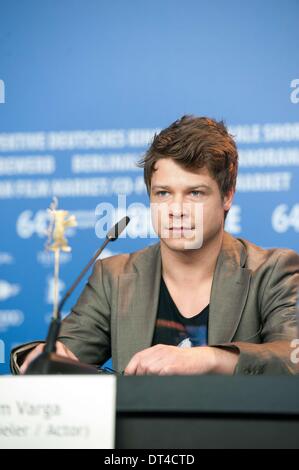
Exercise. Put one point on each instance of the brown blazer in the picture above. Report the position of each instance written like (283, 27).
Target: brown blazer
(252, 307)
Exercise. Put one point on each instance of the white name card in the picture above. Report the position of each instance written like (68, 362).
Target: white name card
(57, 412)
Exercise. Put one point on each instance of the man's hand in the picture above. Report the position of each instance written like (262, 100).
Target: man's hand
(171, 360)
(61, 350)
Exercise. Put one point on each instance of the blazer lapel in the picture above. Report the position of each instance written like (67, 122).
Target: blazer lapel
(138, 297)
(229, 291)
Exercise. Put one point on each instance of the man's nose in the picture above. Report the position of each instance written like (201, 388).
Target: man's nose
(178, 207)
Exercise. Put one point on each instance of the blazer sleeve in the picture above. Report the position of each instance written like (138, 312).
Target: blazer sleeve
(278, 301)
(86, 330)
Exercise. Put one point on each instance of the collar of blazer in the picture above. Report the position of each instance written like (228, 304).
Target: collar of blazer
(138, 296)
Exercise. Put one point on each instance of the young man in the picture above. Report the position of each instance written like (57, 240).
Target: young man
(199, 301)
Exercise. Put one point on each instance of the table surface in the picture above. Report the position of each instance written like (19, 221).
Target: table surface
(209, 394)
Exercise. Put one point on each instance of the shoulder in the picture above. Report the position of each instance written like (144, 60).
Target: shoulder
(257, 257)
(245, 254)
(128, 263)
(268, 266)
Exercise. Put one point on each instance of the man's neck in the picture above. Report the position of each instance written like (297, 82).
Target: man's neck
(191, 265)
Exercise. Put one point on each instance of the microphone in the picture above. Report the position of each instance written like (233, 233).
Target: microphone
(48, 362)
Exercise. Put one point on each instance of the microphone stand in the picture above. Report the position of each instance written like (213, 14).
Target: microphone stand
(48, 362)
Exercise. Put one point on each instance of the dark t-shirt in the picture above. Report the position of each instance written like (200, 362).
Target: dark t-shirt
(172, 328)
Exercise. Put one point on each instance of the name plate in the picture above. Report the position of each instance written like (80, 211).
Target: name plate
(57, 412)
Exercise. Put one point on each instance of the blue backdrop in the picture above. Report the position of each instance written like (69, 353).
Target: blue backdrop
(83, 87)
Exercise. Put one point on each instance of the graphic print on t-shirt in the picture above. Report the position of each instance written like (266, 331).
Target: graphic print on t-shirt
(172, 328)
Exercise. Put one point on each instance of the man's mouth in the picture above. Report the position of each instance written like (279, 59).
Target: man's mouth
(180, 228)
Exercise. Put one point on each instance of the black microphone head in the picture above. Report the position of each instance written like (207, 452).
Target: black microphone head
(117, 229)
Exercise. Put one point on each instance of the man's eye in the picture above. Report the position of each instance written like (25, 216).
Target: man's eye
(161, 193)
(196, 193)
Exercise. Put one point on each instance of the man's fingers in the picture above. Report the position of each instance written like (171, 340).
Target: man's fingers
(148, 361)
(132, 366)
(61, 350)
(31, 356)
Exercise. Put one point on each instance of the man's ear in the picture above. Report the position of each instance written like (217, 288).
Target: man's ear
(228, 200)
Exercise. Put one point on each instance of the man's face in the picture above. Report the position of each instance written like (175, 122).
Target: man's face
(186, 205)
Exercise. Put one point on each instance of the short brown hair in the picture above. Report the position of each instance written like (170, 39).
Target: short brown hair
(195, 142)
